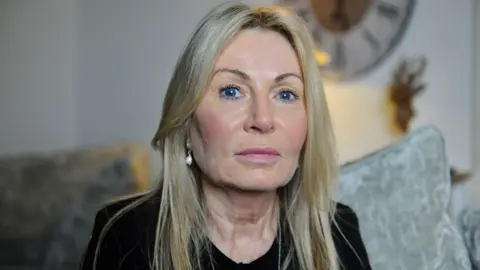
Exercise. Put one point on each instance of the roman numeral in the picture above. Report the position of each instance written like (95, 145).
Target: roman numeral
(388, 10)
(339, 59)
(317, 36)
(371, 40)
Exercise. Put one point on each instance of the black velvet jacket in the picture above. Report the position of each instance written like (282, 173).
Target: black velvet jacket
(128, 245)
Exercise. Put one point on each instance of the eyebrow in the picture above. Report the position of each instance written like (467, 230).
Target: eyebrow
(245, 76)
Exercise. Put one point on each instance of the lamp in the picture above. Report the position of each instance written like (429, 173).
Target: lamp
(322, 57)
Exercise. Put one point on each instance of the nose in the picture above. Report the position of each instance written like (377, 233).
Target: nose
(261, 116)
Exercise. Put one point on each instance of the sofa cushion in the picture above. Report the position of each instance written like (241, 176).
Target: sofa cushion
(400, 195)
(48, 202)
(470, 228)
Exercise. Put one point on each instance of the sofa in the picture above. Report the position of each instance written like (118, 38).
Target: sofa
(48, 201)
(470, 227)
(401, 195)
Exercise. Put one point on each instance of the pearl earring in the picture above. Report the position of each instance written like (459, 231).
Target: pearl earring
(189, 158)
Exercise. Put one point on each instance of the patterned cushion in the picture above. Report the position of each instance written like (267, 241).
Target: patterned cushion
(400, 195)
(48, 202)
(470, 227)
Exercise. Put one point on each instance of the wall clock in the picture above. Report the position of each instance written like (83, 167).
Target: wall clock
(356, 34)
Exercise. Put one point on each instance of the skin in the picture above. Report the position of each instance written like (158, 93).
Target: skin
(255, 100)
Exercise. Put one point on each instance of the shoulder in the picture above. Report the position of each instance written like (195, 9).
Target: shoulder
(133, 214)
(131, 210)
(122, 232)
(348, 240)
(344, 215)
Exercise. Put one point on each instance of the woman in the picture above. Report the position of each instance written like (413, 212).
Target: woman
(248, 160)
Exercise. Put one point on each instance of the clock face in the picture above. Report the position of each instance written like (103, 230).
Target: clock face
(356, 34)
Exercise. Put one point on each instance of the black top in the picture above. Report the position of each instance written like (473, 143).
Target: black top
(128, 244)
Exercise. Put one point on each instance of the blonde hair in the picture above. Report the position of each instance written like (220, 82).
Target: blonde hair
(305, 202)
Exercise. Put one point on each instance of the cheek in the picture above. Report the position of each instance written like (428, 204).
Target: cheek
(213, 132)
(296, 131)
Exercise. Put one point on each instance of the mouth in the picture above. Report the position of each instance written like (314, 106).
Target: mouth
(259, 155)
(259, 151)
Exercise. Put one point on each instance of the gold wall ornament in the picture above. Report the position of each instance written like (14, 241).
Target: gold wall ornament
(406, 84)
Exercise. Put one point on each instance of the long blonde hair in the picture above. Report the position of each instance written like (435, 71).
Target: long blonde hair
(305, 202)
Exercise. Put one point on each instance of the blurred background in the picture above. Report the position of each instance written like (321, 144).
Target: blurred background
(82, 84)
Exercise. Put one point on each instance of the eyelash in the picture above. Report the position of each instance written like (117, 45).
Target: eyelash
(227, 87)
(292, 92)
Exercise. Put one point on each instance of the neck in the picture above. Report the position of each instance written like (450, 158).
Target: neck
(237, 216)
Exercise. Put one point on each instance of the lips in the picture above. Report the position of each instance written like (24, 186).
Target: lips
(259, 152)
(259, 156)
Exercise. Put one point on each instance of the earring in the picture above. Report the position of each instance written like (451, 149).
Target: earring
(189, 158)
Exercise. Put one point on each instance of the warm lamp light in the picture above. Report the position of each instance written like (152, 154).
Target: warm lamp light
(322, 57)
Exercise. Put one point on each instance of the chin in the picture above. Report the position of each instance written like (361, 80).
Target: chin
(254, 188)
(258, 185)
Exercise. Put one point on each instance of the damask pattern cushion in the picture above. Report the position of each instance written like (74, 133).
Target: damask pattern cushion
(400, 195)
(48, 202)
(470, 227)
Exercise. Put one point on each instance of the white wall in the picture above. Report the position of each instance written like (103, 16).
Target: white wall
(473, 186)
(37, 75)
(127, 51)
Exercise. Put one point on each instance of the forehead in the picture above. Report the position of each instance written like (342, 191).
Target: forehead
(256, 50)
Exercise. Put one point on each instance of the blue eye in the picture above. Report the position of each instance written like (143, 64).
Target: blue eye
(287, 96)
(230, 92)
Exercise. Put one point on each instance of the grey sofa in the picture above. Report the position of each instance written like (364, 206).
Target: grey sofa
(401, 194)
(48, 202)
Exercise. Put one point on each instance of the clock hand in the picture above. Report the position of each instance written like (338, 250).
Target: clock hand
(340, 16)
(336, 14)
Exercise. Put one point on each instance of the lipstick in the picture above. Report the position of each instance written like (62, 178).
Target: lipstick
(258, 155)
